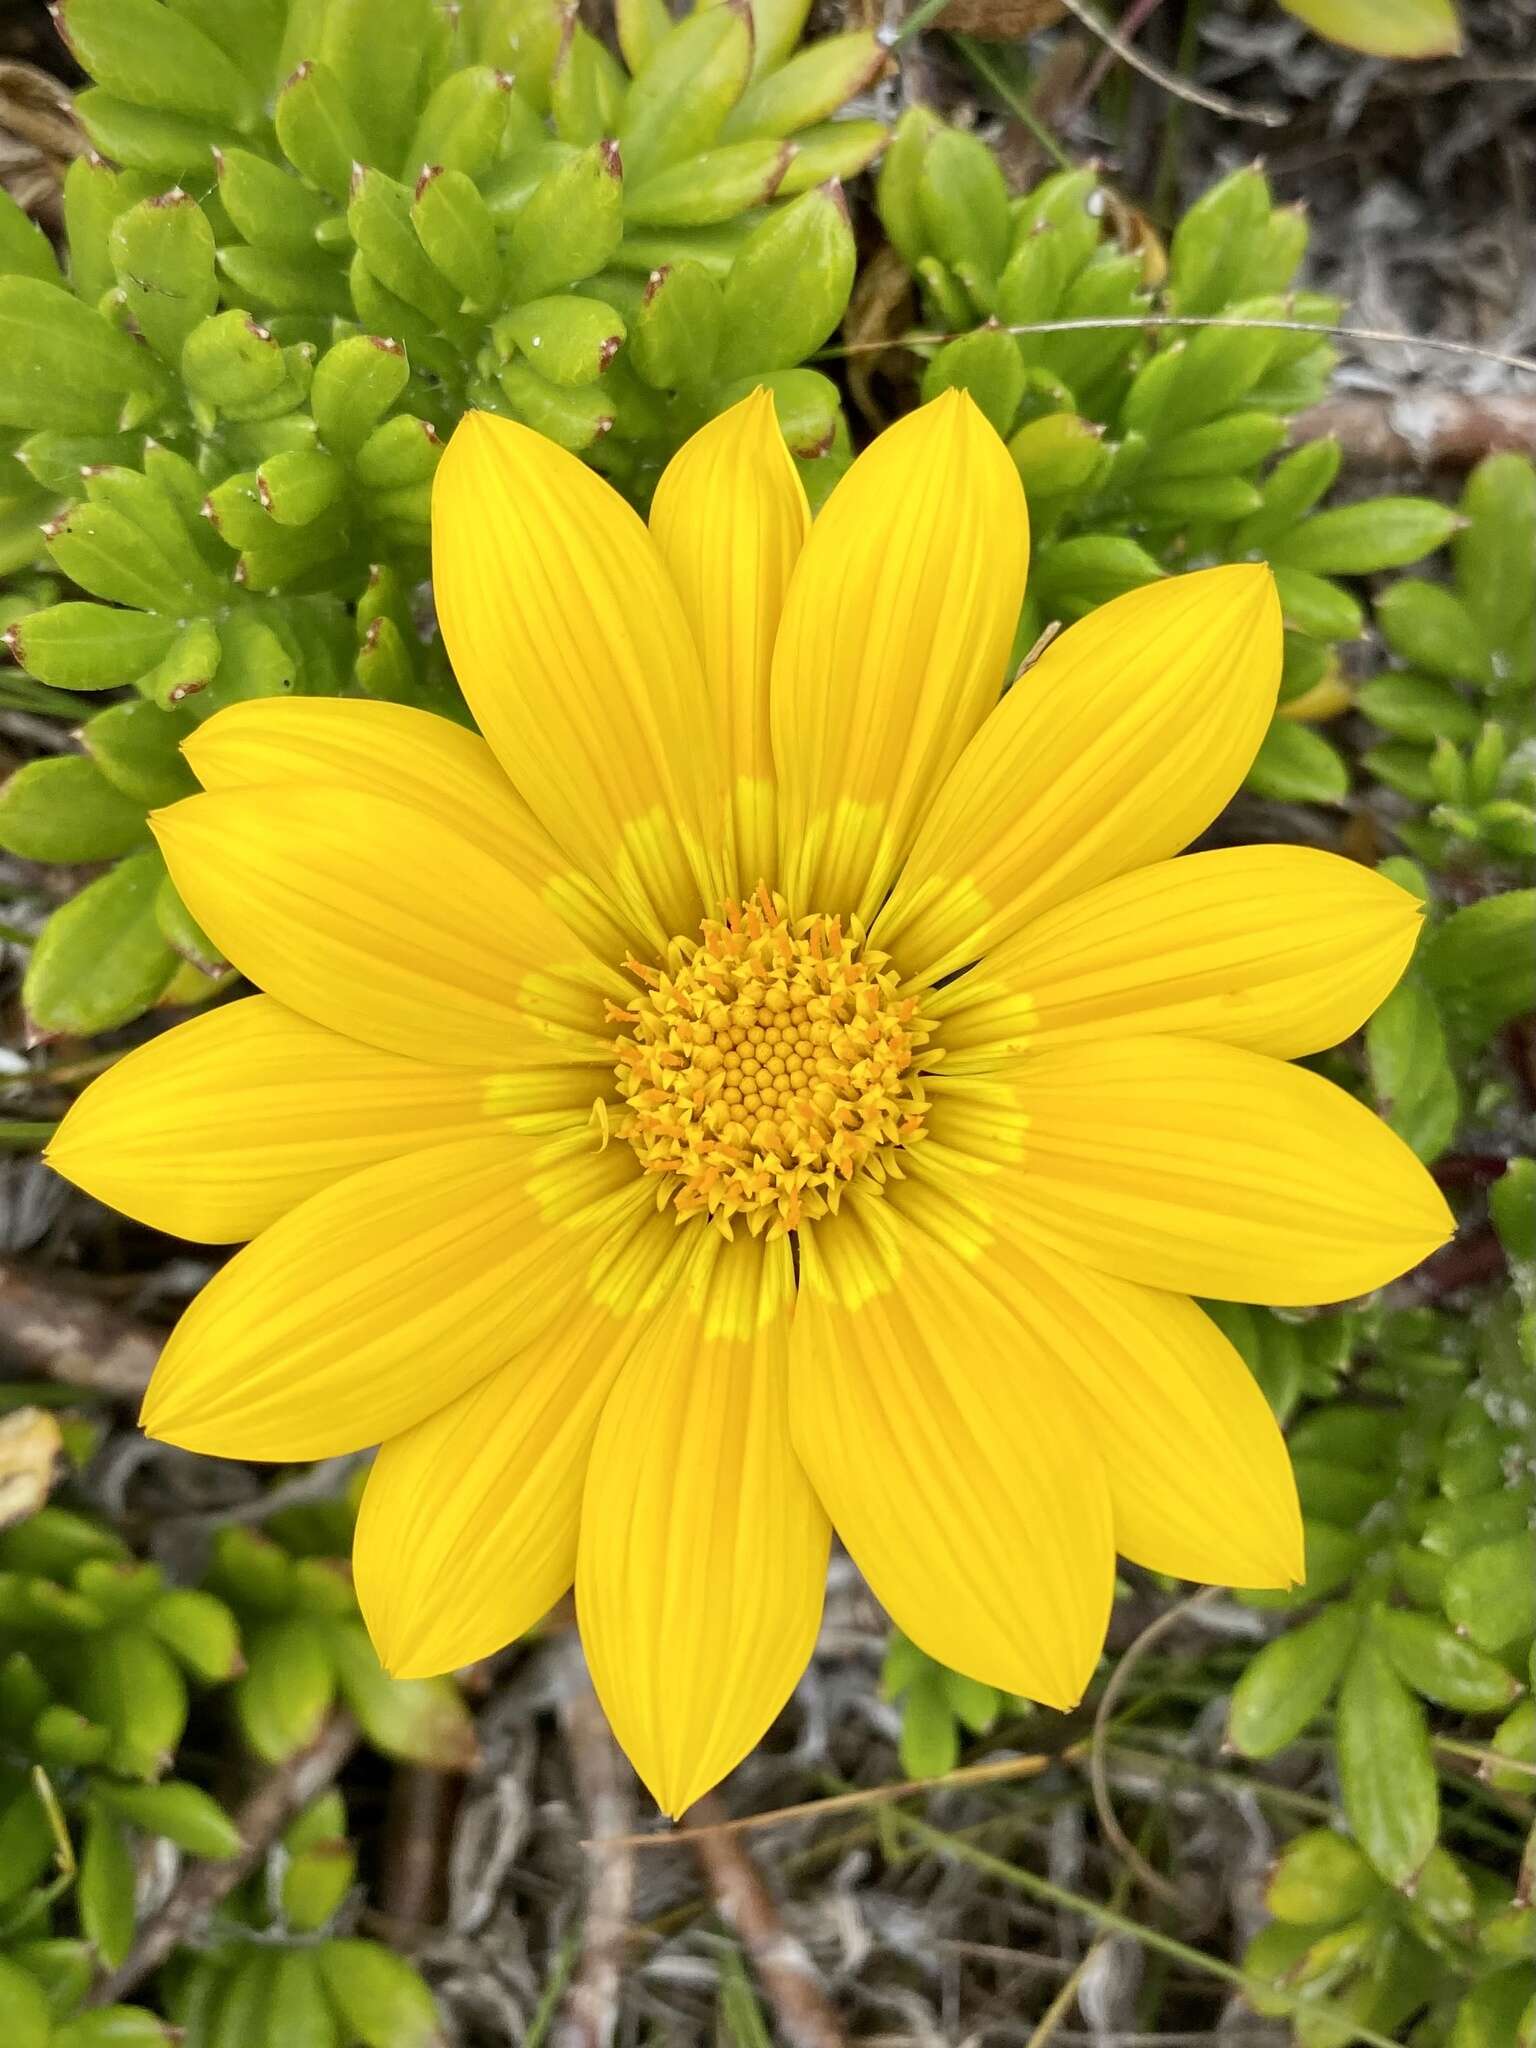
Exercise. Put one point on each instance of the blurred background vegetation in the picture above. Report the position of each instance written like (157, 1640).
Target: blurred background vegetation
(255, 258)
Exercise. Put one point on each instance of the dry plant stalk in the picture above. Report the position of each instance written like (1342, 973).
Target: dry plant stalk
(789, 1979)
(65, 1334)
(605, 1787)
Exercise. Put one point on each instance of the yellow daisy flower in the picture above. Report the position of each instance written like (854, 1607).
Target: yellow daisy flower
(770, 1083)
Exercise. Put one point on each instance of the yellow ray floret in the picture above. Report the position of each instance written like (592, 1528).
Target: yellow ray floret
(1121, 743)
(215, 1130)
(764, 901)
(730, 518)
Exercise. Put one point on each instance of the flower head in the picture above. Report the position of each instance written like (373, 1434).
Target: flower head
(772, 1082)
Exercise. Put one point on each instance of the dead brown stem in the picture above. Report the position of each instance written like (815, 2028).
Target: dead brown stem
(1422, 429)
(790, 1981)
(418, 1828)
(605, 1788)
(66, 1334)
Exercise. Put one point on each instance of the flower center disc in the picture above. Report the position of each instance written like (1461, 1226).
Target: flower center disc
(766, 1066)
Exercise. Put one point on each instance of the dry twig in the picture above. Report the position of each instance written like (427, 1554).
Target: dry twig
(606, 1791)
(1000, 21)
(1170, 81)
(991, 1772)
(1422, 428)
(66, 1334)
(789, 1979)
(418, 1830)
(281, 1795)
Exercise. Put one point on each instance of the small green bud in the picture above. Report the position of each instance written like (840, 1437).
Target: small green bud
(1220, 447)
(987, 364)
(385, 667)
(269, 206)
(1486, 762)
(571, 225)
(137, 747)
(1214, 239)
(810, 87)
(469, 120)
(587, 88)
(681, 96)
(896, 193)
(1448, 773)
(89, 646)
(163, 253)
(187, 667)
(963, 205)
(236, 512)
(676, 332)
(62, 365)
(297, 486)
(318, 131)
(716, 186)
(1057, 453)
(62, 808)
(234, 365)
(403, 451)
(572, 417)
(788, 287)
(1184, 500)
(355, 384)
(380, 217)
(101, 959)
(454, 226)
(153, 56)
(567, 339)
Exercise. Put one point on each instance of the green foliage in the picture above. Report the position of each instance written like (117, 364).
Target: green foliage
(1457, 713)
(1142, 451)
(1385, 28)
(309, 239)
(103, 1665)
(939, 1708)
(1420, 1612)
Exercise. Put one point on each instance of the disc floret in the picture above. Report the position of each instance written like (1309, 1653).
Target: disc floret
(767, 1063)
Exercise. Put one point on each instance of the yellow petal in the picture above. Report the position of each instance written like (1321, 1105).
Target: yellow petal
(214, 1130)
(893, 649)
(467, 1530)
(1198, 1471)
(574, 653)
(381, 1299)
(1279, 948)
(1120, 745)
(702, 1558)
(385, 924)
(730, 519)
(1198, 1167)
(394, 750)
(962, 1477)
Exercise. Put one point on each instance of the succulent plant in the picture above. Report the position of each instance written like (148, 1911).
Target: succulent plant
(1148, 449)
(103, 1660)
